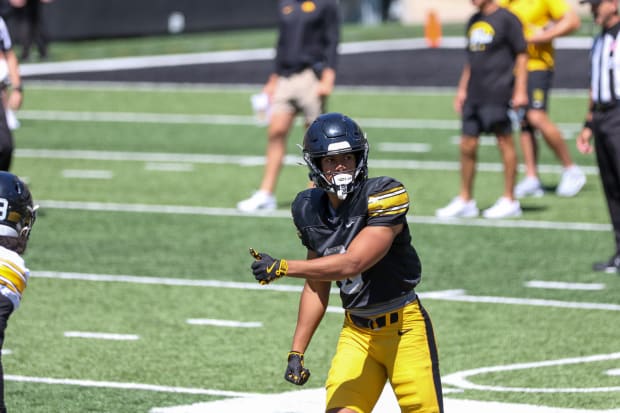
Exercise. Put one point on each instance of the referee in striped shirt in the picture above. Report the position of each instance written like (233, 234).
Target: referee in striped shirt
(603, 118)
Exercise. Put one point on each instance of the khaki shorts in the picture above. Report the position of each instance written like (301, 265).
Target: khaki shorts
(297, 94)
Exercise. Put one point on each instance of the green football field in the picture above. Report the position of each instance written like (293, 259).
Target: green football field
(141, 298)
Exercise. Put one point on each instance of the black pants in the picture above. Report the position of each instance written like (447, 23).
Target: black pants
(31, 28)
(6, 142)
(607, 145)
(6, 309)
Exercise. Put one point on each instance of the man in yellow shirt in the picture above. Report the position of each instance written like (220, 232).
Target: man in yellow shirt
(543, 21)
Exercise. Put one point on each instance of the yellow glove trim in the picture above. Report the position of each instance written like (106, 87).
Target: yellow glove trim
(282, 269)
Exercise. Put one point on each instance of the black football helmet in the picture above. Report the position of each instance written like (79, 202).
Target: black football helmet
(17, 212)
(333, 134)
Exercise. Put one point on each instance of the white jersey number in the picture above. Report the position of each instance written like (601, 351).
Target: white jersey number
(4, 209)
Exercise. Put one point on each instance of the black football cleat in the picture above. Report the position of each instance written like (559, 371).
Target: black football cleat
(611, 266)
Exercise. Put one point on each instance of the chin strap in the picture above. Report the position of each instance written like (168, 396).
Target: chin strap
(342, 182)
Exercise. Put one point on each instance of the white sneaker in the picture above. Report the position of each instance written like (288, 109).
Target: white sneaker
(503, 208)
(573, 179)
(11, 120)
(458, 208)
(529, 186)
(261, 200)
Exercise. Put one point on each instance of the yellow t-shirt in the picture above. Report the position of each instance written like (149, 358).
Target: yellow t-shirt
(535, 15)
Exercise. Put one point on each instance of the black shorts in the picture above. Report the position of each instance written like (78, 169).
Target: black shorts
(485, 118)
(538, 86)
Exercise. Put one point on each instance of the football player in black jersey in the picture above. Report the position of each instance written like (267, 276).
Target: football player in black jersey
(356, 233)
(17, 216)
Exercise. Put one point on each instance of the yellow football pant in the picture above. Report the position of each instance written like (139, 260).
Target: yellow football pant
(403, 352)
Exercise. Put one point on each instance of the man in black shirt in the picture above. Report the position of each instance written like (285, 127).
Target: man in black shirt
(303, 78)
(493, 78)
(603, 118)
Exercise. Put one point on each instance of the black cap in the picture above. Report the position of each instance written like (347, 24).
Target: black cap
(592, 2)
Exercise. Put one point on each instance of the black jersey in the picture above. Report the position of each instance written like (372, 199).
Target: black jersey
(309, 33)
(380, 201)
(493, 43)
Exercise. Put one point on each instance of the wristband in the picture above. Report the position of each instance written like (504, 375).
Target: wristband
(588, 124)
(19, 88)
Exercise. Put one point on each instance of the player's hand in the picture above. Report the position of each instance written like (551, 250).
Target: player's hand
(583, 141)
(267, 269)
(296, 373)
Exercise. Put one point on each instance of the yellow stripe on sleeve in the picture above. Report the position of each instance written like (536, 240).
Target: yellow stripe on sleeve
(12, 276)
(391, 202)
(12, 280)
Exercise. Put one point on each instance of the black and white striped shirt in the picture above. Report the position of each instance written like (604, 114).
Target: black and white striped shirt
(5, 38)
(605, 64)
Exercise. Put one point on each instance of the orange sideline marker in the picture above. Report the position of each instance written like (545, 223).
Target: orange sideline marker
(432, 29)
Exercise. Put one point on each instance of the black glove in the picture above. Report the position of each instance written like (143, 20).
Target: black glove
(295, 371)
(266, 269)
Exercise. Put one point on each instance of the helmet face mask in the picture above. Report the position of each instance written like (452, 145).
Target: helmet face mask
(335, 134)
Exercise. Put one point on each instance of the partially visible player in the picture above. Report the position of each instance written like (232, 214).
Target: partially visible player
(356, 234)
(17, 216)
(14, 100)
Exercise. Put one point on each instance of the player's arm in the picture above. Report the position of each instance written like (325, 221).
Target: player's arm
(366, 249)
(332, 39)
(327, 82)
(583, 139)
(312, 306)
(519, 94)
(568, 23)
(461, 90)
(16, 96)
(270, 85)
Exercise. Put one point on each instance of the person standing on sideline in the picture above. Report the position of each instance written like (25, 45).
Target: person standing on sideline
(29, 18)
(603, 117)
(16, 221)
(543, 21)
(493, 78)
(304, 76)
(356, 234)
(14, 100)
(5, 81)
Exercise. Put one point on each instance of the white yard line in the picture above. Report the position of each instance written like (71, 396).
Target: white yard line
(449, 295)
(561, 285)
(461, 379)
(169, 167)
(126, 386)
(231, 56)
(223, 323)
(312, 401)
(186, 87)
(87, 174)
(281, 213)
(223, 119)
(101, 336)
